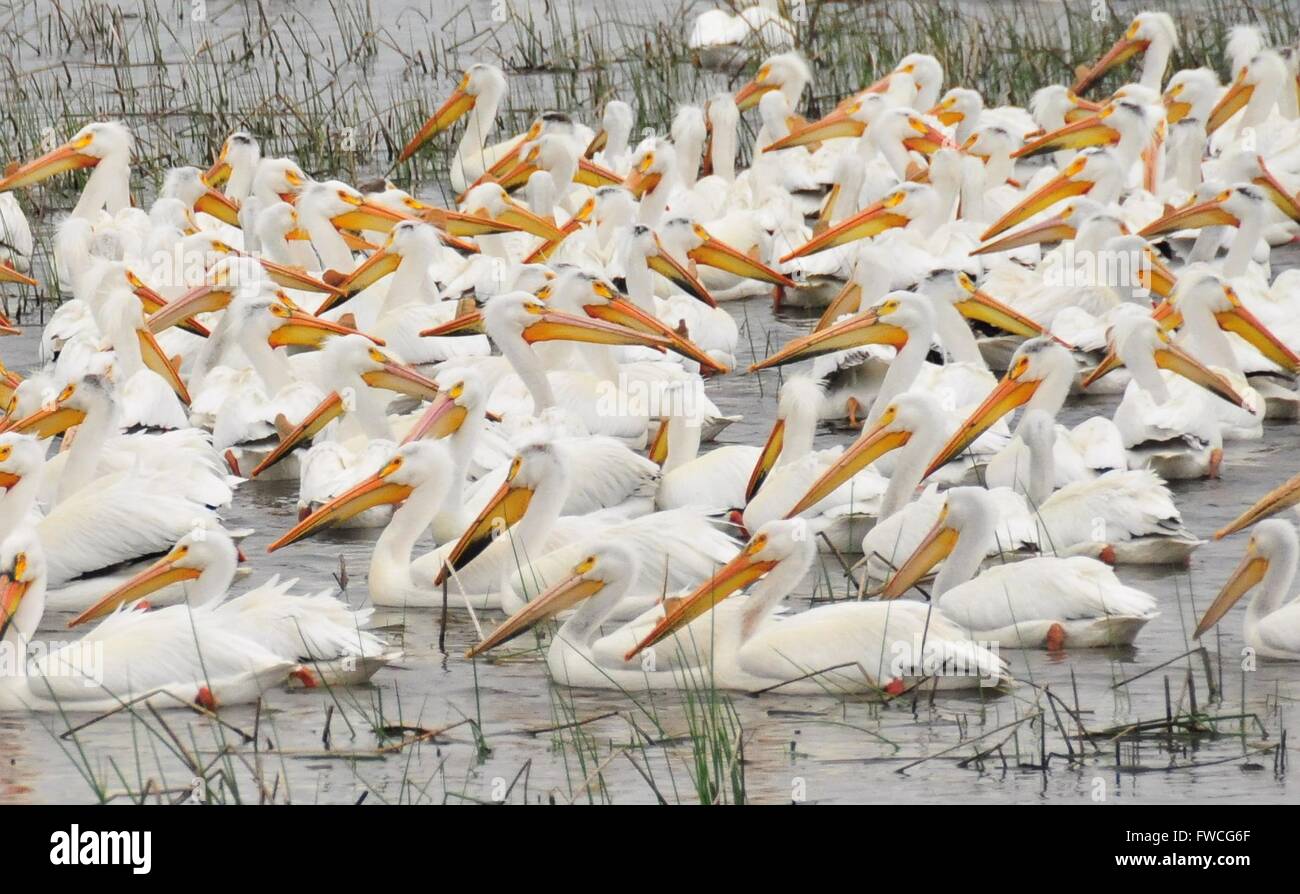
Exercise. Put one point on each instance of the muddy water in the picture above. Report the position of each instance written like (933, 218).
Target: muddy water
(318, 746)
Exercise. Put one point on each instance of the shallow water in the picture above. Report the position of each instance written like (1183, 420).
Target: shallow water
(805, 747)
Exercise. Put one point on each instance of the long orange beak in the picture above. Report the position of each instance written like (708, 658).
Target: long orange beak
(622, 312)
(1124, 49)
(321, 415)
(507, 506)
(152, 354)
(401, 378)
(1178, 361)
(1081, 134)
(367, 215)
(219, 205)
(937, 546)
(984, 307)
(1247, 575)
(67, 157)
(1230, 103)
(737, 574)
(839, 123)
(376, 490)
(1203, 214)
(554, 325)
(1286, 203)
(1054, 229)
(11, 596)
(160, 574)
(869, 447)
(303, 329)
(561, 597)
(466, 324)
(370, 271)
(9, 274)
(455, 106)
(1067, 183)
(201, 299)
(442, 418)
(1245, 324)
(1282, 497)
(671, 269)
(47, 421)
(1009, 394)
(863, 329)
(721, 256)
(871, 221)
(748, 96)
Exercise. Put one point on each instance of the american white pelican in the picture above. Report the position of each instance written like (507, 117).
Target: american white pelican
(788, 464)
(1272, 623)
(1153, 35)
(720, 40)
(319, 631)
(109, 507)
(169, 658)
(1044, 602)
(479, 94)
(866, 647)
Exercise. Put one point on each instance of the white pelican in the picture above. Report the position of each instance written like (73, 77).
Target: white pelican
(1272, 623)
(170, 658)
(1169, 420)
(318, 631)
(512, 543)
(109, 507)
(1043, 602)
(479, 93)
(788, 463)
(719, 39)
(865, 647)
(1151, 34)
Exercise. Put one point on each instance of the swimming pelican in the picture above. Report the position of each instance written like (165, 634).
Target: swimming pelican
(864, 647)
(168, 658)
(319, 632)
(1044, 602)
(1272, 624)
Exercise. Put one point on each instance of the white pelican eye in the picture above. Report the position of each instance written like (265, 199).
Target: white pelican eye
(585, 565)
(966, 282)
(646, 162)
(1075, 166)
(4, 452)
(756, 545)
(763, 73)
(894, 199)
(1019, 368)
(393, 465)
(514, 468)
(601, 289)
(66, 393)
(349, 198)
(378, 356)
(280, 311)
(20, 566)
(535, 308)
(887, 308)
(292, 178)
(457, 390)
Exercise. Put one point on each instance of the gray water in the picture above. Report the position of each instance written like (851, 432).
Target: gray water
(821, 749)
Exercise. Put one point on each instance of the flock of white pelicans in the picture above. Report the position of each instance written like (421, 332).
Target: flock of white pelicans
(520, 378)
